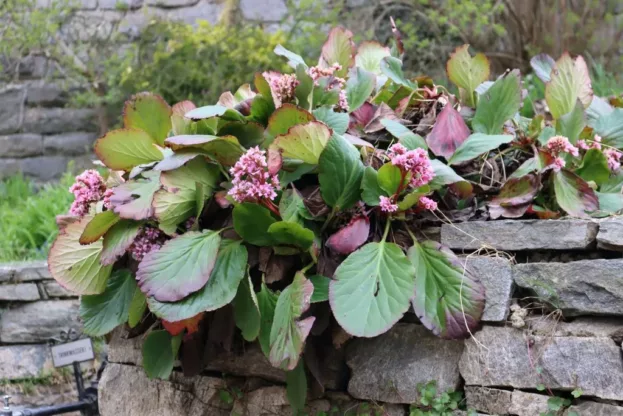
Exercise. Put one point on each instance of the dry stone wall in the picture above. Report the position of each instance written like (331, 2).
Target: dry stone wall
(553, 319)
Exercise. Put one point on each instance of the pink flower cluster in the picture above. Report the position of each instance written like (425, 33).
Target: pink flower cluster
(147, 240)
(427, 203)
(88, 188)
(414, 161)
(282, 86)
(107, 194)
(252, 181)
(316, 73)
(614, 158)
(560, 144)
(387, 205)
(596, 143)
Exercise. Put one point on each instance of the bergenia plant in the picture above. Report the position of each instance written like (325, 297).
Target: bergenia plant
(306, 196)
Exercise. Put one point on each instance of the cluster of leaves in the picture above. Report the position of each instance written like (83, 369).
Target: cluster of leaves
(281, 210)
(433, 404)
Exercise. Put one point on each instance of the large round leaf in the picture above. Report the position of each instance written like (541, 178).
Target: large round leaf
(251, 222)
(573, 194)
(98, 226)
(182, 266)
(477, 144)
(159, 352)
(467, 72)
(570, 81)
(498, 104)
(102, 313)
(448, 133)
(125, 149)
(359, 86)
(340, 174)
(247, 311)
(291, 233)
(285, 117)
(288, 332)
(229, 270)
(150, 113)
(448, 299)
(224, 149)
(77, 267)
(338, 48)
(372, 289)
(118, 239)
(369, 56)
(304, 142)
(133, 199)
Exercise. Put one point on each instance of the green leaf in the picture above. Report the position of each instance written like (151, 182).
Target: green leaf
(158, 354)
(294, 60)
(138, 305)
(228, 272)
(467, 72)
(288, 333)
(542, 64)
(359, 87)
(98, 226)
(285, 178)
(76, 267)
(102, 313)
(392, 68)
(178, 200)
(338, 122)
(249, 134)
(610, 128)
(571, 125)
(444, 175)
(340, 174)
(594, 167)
(325, 93)
(117, 240)
(304, 142)
(211, 111)
(247, 311)
(449, 300)
(180, 267)
(515, 196)
(261, 109)
(610, 203)
(321, 288)
(296, 387)
(284, 118)
(267, 301)
(499, 104)
(573, 194)
(125, 149)
(251, 222)
(547, 133)
(150, 113)
(339, 48)
(413, 197)
(405, 136)
(389, 178)
(292, 208)
(477, 144)
(383, 280)
(304, 91)
(614, 183)
(570, 81)
(369, 56)
(291, 233)
(370, 189)
(224, 149)
(132, 200)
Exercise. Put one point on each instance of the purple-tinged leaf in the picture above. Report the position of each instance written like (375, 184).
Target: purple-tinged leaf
(362, 116)
(180, 267)
(574, 195)
(448, 133)
(304, 141)
(150, 113)
(118, 240)
(351, 237)
(542, 64)
(382, 112)
(132, 200)
(176, 159)
(449, 299)
(357, 141)
(210, 111)
(516, 192)
(225, 149)
(289, 332)
(338, 48)
(570, 81)
(286, 117)
(274, 160)
(180, 123)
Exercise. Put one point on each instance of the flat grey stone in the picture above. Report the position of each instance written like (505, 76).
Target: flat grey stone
(34, 67)
(54, 290)
(12, 99)
(24, 361)
(27, 271)
(496, 275)
(577, 288)
(29, 395)
(21, 292)
(517, 235)
(59, 120)
(21, 145)
(594, 409)
(43, 93)
(9, 167)
(120, 4)
(172, 3)
(38, 321)
(610, 235)
(485, 399)
(69, 144)
(500, 357)
(528, 404)
(44, 168)
(265, 11)
(585, 326)
(126, 390)
(388, 368)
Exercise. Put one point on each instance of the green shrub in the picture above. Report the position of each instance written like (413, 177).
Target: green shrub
(27, 216)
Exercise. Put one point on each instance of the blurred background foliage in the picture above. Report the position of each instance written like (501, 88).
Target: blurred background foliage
(102, 63)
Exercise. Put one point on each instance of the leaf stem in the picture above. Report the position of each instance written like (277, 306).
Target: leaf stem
(306, 268)
(387, 226)
(223, 171)
(328, 220)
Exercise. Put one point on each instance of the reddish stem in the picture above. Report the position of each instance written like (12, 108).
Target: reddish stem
(271, 206)
(401, 187)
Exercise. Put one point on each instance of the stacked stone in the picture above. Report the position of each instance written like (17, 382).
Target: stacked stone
(502, 369)
(33, 309)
